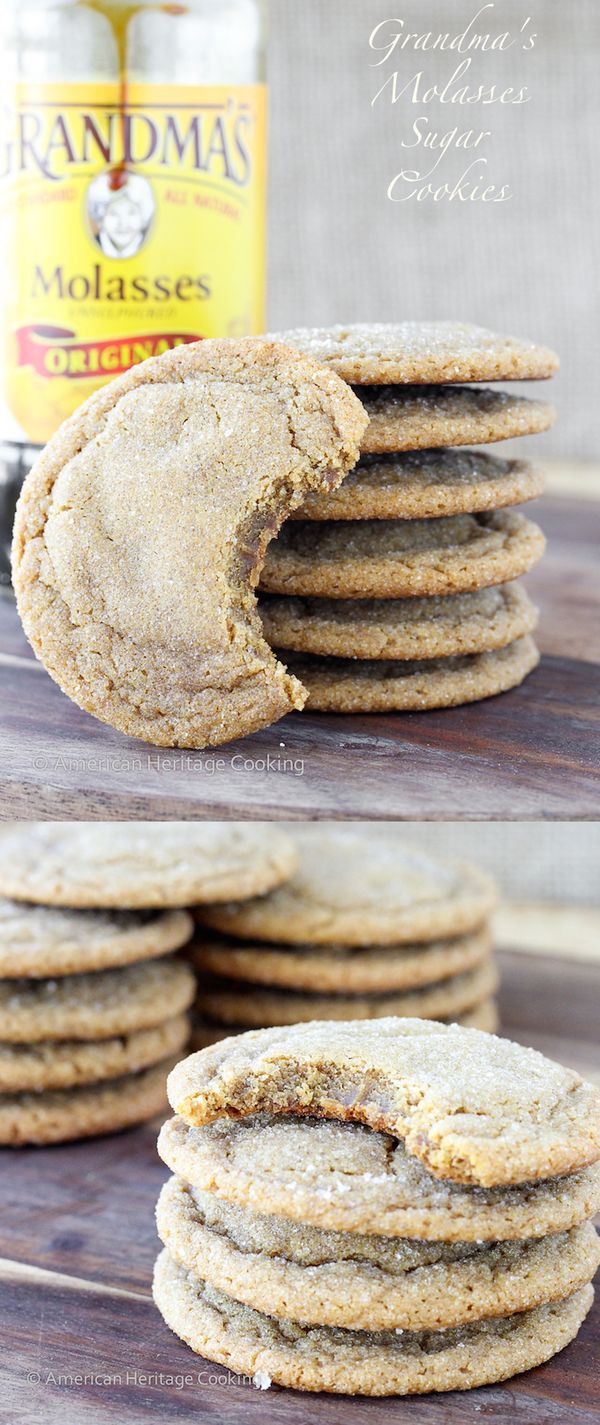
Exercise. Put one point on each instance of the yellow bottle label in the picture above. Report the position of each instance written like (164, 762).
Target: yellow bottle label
(127, 230)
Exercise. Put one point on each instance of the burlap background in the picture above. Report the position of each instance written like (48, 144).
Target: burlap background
(533, 861)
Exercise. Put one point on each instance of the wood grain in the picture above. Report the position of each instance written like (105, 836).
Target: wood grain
(532, 753)
(77, 1244)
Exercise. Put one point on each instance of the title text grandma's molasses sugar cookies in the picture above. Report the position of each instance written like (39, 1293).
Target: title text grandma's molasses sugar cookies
(142, 528)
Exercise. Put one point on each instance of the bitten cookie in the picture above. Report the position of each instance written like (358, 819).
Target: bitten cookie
(141, 530)
(472, 1108)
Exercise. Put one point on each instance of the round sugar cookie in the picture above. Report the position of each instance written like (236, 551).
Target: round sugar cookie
(83, 1112)
(347, 1178)
(340, 969)
(481, 1016)
(64, 1064)
(428, 417)
(378, 353)
(346, 685)
(365, 1282)
(435, 627)
(144, 863)
(399, 559)
(361, 885)
(425, 484)
(97, 1006)
(44, 940)
(326, 1358)
(258, 1007)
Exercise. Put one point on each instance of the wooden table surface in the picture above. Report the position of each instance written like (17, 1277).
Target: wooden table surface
(531, 753)
(77, 1244)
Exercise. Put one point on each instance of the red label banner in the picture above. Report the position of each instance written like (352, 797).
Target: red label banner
(54, 351)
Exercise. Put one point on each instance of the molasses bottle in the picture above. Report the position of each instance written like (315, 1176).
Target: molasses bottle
(132, 199)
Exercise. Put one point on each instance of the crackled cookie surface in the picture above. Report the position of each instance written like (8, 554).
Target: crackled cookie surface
(435, 627)
(360, 1362)
(345, 1177)
(471, 1107)
(351, 889)
(142, 527)
(481, 1016)
(67, 1063)
(83, 1112)
(42, 940)
(95, 1006)
(349, 685)
(338, 968)
(142, 863)
(425, 484)
(385, 559)
(423, 417)
(421, 352)
(366, 1283)
(228, 1003)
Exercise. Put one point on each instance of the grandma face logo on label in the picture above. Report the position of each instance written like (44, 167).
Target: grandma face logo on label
(131, 230)
(120, 214)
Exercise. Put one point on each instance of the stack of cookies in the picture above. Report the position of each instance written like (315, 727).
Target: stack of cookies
(366, 928)
(397, 590)
(93, 1001)
(377, 1209)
